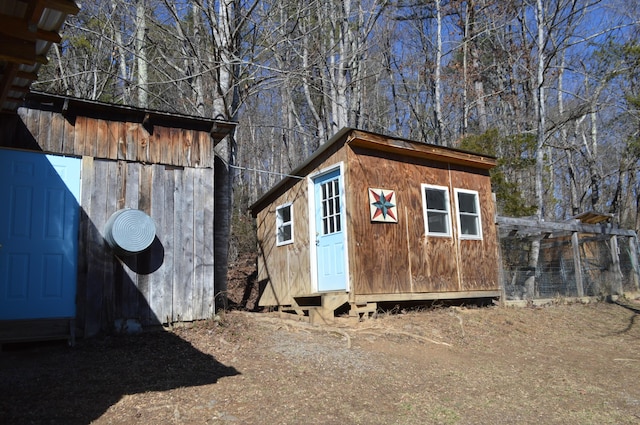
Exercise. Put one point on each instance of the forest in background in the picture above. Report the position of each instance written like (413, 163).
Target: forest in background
(549, 87)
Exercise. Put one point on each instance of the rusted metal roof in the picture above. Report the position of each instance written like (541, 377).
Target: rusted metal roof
(592, 217)
(28, 28)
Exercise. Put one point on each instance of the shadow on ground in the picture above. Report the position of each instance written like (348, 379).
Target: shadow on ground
(54, 384)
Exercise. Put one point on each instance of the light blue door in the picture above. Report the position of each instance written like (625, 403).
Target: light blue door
(330, 232)
(39, 216)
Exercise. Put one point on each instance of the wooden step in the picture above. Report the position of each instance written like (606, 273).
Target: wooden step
(334, 300)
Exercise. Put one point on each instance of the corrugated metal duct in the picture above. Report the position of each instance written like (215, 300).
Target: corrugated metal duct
(129, 231)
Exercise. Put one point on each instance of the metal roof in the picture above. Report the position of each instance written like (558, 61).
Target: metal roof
(28, 28)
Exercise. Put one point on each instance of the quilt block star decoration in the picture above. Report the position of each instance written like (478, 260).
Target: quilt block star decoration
(382, 204)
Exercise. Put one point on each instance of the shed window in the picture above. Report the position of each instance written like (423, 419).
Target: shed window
(468, 214)
(435, 200)
(284, 224)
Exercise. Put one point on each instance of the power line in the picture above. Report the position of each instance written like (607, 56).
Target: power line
(266, 172)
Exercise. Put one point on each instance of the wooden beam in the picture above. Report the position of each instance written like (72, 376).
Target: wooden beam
(425, 296)
(577, 263)
(6, 81)
(20, 89)
(17, 50)
(633, 253)
(616, 285)
(21, 29)
(32, 76)
(573, 226)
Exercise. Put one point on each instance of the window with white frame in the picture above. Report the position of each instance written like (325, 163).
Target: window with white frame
(435, 200)
(284, 224)
(468, 204)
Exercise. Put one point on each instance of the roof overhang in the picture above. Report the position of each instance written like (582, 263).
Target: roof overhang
(71, 108)
(414, 149)
(28, 28)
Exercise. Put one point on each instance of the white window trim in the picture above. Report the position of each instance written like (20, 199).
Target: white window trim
(458, 214)
(423, 188)
(280, 223)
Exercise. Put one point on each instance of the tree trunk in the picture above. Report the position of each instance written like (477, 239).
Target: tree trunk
(437, 80)
(141, 54)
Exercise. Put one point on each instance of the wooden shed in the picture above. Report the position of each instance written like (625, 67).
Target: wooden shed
(67, 166)
(370, 219)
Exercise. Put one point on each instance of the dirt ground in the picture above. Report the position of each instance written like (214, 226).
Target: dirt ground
(558, 364)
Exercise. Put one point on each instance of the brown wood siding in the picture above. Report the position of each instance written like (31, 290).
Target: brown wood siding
(103, 139)
(478, 259)
(400, 257)
(173, 281)
(285, 271)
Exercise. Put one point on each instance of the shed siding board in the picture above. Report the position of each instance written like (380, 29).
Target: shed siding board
(113, 135)
(179, 216)
(183, 231)
(130, 294)
(478, 258)
(144, 204)
(32, 121)
(44, 133)
(68, 135)
(203, 232)
(154, 145)
(56, 134)
(94, 205)
(82, 288)
(157, 281)
(142, 144)
(168, 238)
(102, 139)
(110, 269)
(187, 209)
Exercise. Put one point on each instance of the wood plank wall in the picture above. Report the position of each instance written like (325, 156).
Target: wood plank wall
(171, 282)
(284, 270)
(406, 260)
(169, 175)
(107, 139)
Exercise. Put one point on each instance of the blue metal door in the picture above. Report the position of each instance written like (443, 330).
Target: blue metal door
(39, 216)
(330, 232)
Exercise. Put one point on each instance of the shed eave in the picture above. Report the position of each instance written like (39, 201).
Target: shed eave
(71, 107)
(421, 150)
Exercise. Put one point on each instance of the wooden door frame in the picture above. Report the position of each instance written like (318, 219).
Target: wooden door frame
(313, 254)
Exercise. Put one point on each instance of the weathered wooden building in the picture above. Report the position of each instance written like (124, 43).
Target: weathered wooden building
(373, 219)
(67, 165)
